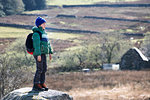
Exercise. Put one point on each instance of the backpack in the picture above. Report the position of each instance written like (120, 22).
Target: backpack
(29, 42)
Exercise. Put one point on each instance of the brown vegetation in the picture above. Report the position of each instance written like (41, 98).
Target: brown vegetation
(102, 85)
(4, 42)
(98, 85)
(121, 15)
(61, 45)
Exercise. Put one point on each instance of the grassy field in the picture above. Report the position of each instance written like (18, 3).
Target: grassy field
(98, 85)
(79, 2)
(105, 85)
(102, 85)
(61, 41)
(112, 19)
(64, 36)
(9, 32)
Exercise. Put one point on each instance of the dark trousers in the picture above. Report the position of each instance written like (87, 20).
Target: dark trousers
(41, 68)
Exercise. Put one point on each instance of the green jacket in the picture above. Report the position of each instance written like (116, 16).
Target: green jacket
(40, 46)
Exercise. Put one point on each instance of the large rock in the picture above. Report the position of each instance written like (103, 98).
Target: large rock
(28, 94)
(134, 59)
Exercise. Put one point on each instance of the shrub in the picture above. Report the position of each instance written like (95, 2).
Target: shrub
(12, 6)
(34, 4)
(19, 51)
(106, 48)
(14, 67)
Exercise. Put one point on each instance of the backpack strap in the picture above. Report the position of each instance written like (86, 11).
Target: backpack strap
(39, 34)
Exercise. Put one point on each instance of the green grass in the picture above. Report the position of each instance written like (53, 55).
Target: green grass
(147, 16)
(9, 32)
(64, 23)
(79, 2)
(147, 32)
(74, 48)
(34, 12)
(63, 36)
(67, 36)
(131, 31)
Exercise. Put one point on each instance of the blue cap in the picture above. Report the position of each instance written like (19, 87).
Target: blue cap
(39, 21)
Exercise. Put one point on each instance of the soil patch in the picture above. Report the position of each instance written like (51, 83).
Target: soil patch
(4, 42)
(61, 45)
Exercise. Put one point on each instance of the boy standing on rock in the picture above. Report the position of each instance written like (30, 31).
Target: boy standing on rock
(41, 47)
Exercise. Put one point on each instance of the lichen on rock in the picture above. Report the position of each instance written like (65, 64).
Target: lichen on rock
(28, 94)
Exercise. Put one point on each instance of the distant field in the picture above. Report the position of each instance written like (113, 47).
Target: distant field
(63, 36)
(79, 2)
(9, 32)
(60, 41)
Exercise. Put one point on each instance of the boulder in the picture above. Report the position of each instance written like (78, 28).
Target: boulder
(134, 59)
(28, 94)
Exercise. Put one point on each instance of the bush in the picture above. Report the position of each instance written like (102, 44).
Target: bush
(9, 7)
(15, 67)
(12, 6)
(34, 4)
(106, 48)
(87, 57)
(19, 51)
(12, 74)
(66, 62)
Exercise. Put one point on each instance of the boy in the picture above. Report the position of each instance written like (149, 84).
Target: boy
(41, 48)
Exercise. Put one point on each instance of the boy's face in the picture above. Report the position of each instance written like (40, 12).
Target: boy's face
(43, 25)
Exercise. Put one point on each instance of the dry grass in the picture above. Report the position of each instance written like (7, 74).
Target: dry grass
(79, 2)
(102, 85)
(117, 93)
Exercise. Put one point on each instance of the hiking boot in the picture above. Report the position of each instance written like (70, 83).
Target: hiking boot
(44, 86)
(38, 87)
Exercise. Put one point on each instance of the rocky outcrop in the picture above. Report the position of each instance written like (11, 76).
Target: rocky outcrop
(134, 59)
(29, 94)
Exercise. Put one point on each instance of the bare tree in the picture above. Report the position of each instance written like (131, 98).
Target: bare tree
(110, 50)
(110, 45)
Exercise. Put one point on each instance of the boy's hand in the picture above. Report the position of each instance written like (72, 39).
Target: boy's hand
(39, 58)
(50, 57)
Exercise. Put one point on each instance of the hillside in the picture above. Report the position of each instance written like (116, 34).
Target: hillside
(129, 20)
(76, 29)
(93, 18)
